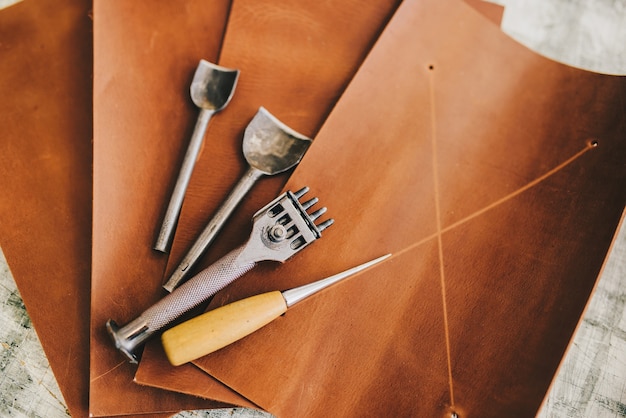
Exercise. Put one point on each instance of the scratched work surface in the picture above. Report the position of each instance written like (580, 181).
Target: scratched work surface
(592, 379)
(589, 34)
(27, 384)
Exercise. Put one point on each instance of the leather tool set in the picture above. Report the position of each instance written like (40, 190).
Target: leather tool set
(280, 230)
(494, 176)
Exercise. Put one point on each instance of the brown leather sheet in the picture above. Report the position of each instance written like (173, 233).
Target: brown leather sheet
(144, 59)
(296, 58)
(45, 172)
(495, 176)
(242, 32)
(260, 64)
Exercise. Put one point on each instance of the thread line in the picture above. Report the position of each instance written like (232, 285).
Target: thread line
(441, 230)
(442, 276)
(522, 189)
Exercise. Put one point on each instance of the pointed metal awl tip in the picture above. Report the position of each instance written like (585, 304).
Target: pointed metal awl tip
(379, 259)
(369, 263)
(360, 267)
(295, 295)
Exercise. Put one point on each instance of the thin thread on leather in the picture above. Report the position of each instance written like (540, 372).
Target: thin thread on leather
(197, 290)
(442, 276)
(590, 144)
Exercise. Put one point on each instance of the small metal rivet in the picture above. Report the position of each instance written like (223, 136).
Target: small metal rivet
(278, 233)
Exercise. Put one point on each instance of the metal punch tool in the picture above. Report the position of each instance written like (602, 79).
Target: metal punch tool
(280, 230)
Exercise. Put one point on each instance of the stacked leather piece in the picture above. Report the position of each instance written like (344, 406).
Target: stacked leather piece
(45, 171)
(447, 125)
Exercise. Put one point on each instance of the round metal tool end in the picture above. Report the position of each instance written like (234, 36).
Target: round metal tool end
(213, 86)
(163, 241)
(113, 330)
(176, 278)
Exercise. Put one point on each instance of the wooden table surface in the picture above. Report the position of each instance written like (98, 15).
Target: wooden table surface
(592, 379)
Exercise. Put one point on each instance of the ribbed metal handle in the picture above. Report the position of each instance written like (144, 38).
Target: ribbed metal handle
(188, 296)
(197, 290)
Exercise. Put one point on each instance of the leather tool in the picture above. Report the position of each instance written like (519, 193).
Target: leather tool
(270, 147)
(220, 327)
(329, 44)
(281, 229)
(211, 90)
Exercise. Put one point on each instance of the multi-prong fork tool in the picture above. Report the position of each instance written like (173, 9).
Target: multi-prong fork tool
(280, 229)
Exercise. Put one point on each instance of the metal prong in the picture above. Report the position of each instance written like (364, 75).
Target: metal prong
(318, 213)
(325, 224)
(309, 203)
(301, 192)
(211, 89)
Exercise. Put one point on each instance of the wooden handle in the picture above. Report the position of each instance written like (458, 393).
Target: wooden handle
(213, 330)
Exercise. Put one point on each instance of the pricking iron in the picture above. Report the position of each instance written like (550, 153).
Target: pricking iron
(280, 229)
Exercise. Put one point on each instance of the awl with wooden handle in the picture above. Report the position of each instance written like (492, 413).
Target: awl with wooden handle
(220, 327)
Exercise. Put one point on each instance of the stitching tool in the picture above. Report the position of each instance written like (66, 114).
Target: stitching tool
(220, 327)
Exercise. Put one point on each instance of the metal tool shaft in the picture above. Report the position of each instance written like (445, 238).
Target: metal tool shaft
(176, 201)
(213, 227)
(211, 90)
(298, 294)
(188, 296)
